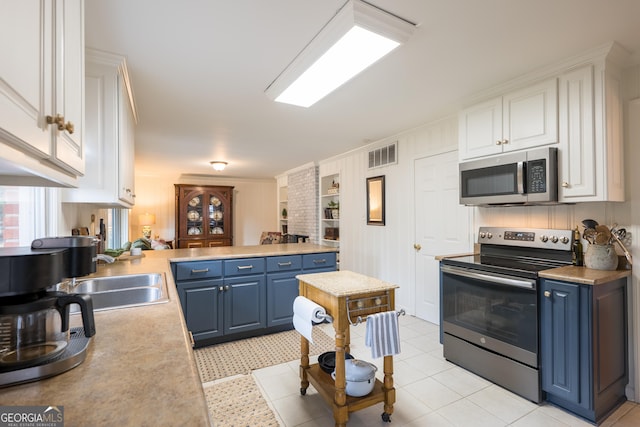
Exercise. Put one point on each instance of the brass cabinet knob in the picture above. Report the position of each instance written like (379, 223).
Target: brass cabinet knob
(547, 294)
(498, 142)
(565, 184)
(417, 246)
(58, 120)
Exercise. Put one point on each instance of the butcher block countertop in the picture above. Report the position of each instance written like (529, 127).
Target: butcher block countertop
(140, 368)
(583, 275)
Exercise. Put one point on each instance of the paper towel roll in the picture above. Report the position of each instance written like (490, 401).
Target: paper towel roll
(305, 314)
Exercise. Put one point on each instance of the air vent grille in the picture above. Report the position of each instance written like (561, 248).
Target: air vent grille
(383, 156)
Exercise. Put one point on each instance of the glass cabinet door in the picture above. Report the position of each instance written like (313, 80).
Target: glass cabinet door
(216, 216)
(194, 215)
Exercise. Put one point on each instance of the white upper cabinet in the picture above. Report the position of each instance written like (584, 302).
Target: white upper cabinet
(41, 92)
(591, 154)
(109, 135)
(518, 120)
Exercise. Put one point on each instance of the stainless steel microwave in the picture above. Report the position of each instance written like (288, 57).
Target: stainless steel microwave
(520, 178)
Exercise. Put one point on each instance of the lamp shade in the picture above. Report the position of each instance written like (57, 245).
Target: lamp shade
(147, 219)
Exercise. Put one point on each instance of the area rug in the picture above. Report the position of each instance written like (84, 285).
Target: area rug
(238, 402)
(242, 356)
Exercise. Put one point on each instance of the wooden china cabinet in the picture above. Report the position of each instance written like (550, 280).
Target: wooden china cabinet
(204, 216)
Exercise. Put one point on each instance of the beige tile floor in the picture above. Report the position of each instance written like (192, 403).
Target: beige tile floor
(429, 392)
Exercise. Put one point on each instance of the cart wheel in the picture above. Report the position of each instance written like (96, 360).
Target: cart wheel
(386, 417)
(303, 391)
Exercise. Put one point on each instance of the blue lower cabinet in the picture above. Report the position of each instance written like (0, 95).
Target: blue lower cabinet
(202, 307)
(282, 289)
(583, 346)
(224, 300)
(321, 262)
(244, 304)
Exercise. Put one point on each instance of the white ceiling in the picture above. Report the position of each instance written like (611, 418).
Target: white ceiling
(200, 67)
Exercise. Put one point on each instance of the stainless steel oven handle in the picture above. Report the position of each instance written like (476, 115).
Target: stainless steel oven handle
(520, 283)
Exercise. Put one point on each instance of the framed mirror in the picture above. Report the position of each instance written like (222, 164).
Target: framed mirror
(375, 200)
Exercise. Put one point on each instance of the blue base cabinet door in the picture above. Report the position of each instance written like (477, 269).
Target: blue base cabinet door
(244, 303)
(583, 346)
(560, 314)
(202, 307)
(282, 289)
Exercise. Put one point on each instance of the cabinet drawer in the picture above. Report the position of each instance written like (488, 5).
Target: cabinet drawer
(245, 266)
(198, 270)
(322, 260)
(284, 263)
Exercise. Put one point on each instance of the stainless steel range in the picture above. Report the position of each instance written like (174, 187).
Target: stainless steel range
(490, 304)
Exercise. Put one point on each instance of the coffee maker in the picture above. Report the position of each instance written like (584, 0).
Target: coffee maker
(35, 339)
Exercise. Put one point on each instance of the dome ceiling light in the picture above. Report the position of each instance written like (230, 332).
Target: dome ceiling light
(218, 165)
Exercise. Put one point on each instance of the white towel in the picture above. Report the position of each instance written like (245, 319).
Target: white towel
(382, 334)
(305, 314)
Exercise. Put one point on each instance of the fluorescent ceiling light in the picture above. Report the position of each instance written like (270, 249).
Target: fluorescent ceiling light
(356, 37)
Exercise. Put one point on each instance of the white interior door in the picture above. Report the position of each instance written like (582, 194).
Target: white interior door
(442, 227)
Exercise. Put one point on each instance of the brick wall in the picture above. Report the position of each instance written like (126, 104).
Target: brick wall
(303, 202)
(9, 217)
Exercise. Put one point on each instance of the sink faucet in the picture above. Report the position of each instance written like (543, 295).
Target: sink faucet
(106, 258)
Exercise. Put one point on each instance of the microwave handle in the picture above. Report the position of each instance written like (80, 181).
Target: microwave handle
(520, 176)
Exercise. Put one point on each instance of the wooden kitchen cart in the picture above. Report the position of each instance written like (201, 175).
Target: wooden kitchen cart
(348, 298)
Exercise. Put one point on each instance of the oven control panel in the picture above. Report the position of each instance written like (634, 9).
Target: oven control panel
(527, 237)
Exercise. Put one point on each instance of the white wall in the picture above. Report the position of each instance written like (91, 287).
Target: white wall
(386, 252)
(254, 205)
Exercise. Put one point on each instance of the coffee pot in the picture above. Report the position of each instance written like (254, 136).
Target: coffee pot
(34, 317)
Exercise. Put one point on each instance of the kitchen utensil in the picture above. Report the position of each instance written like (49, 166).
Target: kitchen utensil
(589, 223)
(616, 236)
(589, 235)
(360, 376)
(603, 235)
(327, 361)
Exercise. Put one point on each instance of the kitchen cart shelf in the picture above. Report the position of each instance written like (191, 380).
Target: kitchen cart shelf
(334, 291)
(325, 385)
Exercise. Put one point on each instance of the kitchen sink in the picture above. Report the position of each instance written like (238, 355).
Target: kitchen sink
(113, 292)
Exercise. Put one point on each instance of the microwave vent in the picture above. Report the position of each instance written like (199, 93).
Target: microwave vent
(387, 155)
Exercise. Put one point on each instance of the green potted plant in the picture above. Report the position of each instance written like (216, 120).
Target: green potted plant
(284, 213)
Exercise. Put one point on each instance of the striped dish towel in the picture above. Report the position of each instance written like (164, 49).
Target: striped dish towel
(382, 334)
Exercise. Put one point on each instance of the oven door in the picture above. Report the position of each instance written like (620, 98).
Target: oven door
(493, 311)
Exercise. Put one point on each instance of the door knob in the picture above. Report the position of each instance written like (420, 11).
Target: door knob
(417, 246)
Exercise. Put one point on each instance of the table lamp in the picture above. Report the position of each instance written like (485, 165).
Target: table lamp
(146, 221)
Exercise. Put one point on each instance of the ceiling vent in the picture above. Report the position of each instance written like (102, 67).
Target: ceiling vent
(387, 155)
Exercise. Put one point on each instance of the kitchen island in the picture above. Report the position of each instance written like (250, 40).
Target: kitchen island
(140, 368)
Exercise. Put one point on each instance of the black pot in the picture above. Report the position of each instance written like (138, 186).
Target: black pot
(327, 361)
